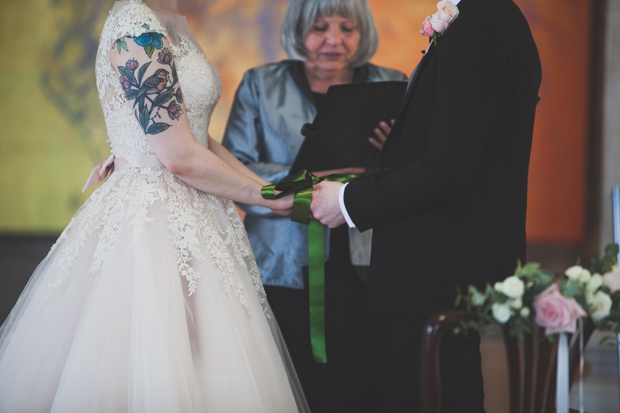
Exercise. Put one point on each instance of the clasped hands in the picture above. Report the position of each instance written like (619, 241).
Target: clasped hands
(325, 205)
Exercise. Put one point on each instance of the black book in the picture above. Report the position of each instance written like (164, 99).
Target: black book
(338, 136)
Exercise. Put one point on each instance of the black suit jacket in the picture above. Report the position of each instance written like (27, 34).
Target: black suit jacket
(448, 207)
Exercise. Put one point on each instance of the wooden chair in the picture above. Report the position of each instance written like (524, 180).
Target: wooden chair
(532, 381)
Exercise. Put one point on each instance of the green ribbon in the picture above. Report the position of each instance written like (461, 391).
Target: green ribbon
(301, 186)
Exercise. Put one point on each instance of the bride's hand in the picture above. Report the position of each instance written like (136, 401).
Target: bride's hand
(283, 206)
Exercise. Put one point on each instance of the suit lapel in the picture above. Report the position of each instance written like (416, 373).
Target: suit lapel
(463, 4)
(416, 77)
(410, 89)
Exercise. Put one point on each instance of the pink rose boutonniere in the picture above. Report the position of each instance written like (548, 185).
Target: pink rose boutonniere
(557, 313)
(436, 25)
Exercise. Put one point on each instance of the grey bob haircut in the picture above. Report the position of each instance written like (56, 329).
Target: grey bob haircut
(300, 17)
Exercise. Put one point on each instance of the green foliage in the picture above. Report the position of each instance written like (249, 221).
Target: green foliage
(606, 263)
(570, 288)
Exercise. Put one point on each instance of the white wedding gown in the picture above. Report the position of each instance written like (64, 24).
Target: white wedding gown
(151, 300)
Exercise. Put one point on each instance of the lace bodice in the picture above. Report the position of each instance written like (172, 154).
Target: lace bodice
(199, 80)
(201, 228)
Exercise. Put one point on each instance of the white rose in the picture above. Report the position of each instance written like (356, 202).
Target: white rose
(600, 306)
(516, 303)
(574, 272)
(585, 276)
(525, 312)
(501, 312)
(578, 273)
(449, 8)
(612, 279)
(513, 287)
(595, 282)
(498, 287)
(446, 13)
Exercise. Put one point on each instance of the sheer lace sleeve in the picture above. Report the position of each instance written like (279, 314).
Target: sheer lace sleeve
(130, 20)
(153, 30)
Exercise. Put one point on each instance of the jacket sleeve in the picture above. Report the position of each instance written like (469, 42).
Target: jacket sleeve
(472, 76)
(244, 137)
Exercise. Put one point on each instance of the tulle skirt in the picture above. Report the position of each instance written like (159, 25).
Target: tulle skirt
(150, 301)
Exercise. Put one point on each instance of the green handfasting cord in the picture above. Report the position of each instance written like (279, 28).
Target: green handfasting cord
(301, 186)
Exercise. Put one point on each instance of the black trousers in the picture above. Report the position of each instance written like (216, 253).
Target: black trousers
(342, 385)
(395, 353)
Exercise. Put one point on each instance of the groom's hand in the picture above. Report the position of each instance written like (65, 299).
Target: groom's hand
(325, 206)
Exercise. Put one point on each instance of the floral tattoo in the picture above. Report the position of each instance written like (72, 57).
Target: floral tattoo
(149, 41)
(154, 93)
(121, 43)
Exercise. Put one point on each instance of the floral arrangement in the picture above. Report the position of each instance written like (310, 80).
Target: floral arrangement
(534, 295)
(436, 25)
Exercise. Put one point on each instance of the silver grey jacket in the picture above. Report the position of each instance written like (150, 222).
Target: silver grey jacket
(271, 105)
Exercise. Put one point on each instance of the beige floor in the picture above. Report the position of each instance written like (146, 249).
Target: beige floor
(601, 388)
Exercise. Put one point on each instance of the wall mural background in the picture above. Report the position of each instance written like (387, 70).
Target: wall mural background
(52, 131)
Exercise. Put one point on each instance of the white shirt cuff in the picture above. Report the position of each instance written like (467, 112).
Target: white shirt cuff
(343, 209)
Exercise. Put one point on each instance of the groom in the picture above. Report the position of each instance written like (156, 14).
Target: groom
(448, 207)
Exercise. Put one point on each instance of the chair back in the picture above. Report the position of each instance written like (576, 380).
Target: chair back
(531, 364)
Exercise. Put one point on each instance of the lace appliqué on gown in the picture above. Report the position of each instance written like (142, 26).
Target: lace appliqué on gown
(151, 300)
(130, 196)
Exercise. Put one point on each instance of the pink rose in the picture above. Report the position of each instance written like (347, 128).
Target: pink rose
(446, 13)
(558, 314)
(612, 279)
(428, 27)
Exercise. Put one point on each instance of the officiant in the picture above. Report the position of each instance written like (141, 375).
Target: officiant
(329, 43)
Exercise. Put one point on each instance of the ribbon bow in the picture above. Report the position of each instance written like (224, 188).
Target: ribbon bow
(99, 173)
(301, 186)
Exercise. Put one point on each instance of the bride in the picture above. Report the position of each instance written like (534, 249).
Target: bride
(150, 300)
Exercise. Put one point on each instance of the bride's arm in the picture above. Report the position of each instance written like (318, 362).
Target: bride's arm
(202, 169)
(230, 159)
(151, 88)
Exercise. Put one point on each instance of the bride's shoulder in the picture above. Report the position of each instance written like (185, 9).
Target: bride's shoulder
(130, 19)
